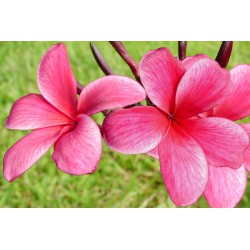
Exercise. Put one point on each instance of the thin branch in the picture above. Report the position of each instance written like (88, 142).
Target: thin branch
(100, 60)
(121, 50)
(224, 54)
(182, 48)
(79, 87)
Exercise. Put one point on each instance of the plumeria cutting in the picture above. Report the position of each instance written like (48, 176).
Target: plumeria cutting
(181, 111)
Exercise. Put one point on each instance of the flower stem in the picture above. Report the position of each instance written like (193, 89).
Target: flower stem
(182, 48)
(224, 54)
(100, 60)
(79, 87)
(121, 50)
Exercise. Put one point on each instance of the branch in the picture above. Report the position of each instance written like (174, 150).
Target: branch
(224, 54)
(182, 48)
(100, 60)
(119, 47)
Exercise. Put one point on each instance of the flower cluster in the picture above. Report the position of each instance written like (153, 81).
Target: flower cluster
(188, 122)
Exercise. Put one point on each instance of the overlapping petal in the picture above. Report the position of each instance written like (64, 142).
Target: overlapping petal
(56, 81)
(160, 74)
(225, 187)
(183, 166)
(202, 87)
(223, 141)
(79, 151)
(189, 61)
(246, 127)
(29, 149)
(237, 105)
(110, 92)
(32, 112)
(154, 153)
(135, 130)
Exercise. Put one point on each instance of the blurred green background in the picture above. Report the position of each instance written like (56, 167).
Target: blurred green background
(121, 180)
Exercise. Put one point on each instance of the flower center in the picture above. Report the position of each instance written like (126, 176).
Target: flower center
(171, 116)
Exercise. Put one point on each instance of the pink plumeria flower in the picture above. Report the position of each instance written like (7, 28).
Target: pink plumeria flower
(58, 118)
(186, 145)
(226, 186)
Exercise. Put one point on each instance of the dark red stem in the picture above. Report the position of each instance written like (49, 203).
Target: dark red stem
(121, 50)
(224, 54)
(79, 87)
(182, 48)
(100, 60)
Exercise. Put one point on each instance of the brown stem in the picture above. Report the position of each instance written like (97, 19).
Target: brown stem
(182, 48)
(79, 87)
(121, 50)
(224, 54)
(100, 60)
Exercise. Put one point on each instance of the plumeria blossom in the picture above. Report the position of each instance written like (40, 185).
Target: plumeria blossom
(186, 144)
(226, 186)
(58, 118)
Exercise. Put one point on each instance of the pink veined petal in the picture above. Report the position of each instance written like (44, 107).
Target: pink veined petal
(79, 151)
(246, 127)
(154, 153)
(222, 140)
(225, 187)
(206, 114)
(202, 87)
(237, 105)
(110, 92)
(32, 112)
(56, 81)
(160, 74)
(135, 130)
(29, 149)
(189, 61)
(183, 166)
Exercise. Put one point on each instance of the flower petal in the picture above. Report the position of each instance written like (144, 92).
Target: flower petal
(183, 166)
(135, 130)
(56, 81)
(222, 141)
(32, 112)
(201, 88)
(237, 105)
(189, 61)
(110, 92)
(154, 153)
(225, 187)
(160, 74)
(29, 149)
(246, 127)
(79, 151)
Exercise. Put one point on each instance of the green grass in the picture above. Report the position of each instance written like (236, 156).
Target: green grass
(121, 180)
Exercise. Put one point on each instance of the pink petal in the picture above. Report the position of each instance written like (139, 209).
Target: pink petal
(29, 149)
(246, 127)
(202, 87)
(225, 187)
(222, 141)
(183, 166)
(160, 74)
(32, 112)
(56, 81)
(189, 61)
(135, 130)
(110, 92)
(154, 153)
(237, 105)
(79, 151)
